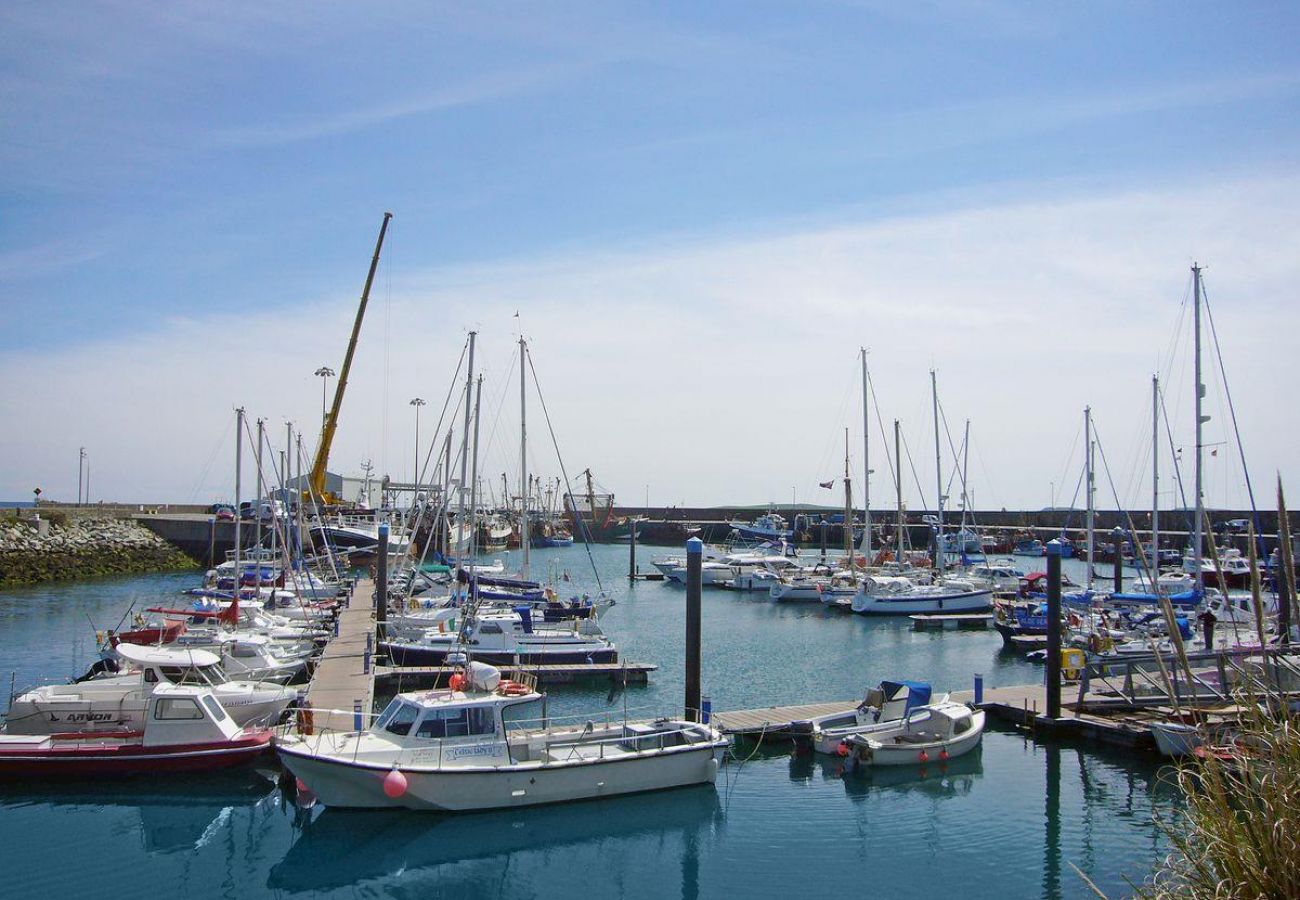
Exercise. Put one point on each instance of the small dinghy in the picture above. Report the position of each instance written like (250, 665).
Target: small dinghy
(882, 706)
(933, 734)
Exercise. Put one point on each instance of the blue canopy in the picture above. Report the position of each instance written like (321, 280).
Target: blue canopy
(918, 692)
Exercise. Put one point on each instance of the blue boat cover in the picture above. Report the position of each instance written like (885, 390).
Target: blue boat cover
(918, 693)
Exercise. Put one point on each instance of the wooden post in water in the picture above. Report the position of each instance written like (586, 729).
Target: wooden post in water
(631, 554)
(381, 584)
(1054, 629)
(694, 558)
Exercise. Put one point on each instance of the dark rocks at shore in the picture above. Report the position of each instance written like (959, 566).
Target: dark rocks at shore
(84, 548)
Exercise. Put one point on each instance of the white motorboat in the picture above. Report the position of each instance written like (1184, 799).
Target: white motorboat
(469, 747)
(249, 656)
(936, 734)
(893, 596)
(882, 706)
(118, 702)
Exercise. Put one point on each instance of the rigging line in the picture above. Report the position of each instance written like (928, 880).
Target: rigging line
(956, 467)
(1128, 516)
(1065, 467)
(919, 490)
(1173, 452)
(207, 466)
(437, 429)
(537, 386)
(1232, 413)
(880, 430)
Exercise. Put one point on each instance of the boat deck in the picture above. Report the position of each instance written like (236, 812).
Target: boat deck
(342, 679)
(775, 721)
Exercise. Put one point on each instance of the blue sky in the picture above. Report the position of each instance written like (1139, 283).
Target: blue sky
(190, 169)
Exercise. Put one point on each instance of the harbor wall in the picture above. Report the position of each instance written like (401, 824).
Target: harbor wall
(55, 547)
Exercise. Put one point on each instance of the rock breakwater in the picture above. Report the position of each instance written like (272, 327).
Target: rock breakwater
(83, 548)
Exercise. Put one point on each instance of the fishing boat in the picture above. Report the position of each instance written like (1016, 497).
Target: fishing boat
(471, 746)
(768, 527)
(185, 730)
(502, 637)
(119, 700)
(1029, 547)
(892, 596)
(934, 733)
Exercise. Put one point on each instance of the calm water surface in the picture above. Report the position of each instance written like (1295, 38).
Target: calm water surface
(1004, 822)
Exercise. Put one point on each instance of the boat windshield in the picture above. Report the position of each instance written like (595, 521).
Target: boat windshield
(195, 675)
(398, 717)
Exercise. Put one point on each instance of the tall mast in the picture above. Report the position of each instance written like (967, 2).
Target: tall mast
(1155, 479)
(523, 455)
(966, 501)
(444, 507)
(848, 505)
(464, 447)
(938, 474)
(898, 486)
(1200, 422)
(1091, 486)
(473, 479)
(866, 464)
(257, 501)
(239, 468)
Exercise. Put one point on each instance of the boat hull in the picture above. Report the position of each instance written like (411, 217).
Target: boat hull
(119, 758)
(343, 784)
(905, 604)
(413, 655)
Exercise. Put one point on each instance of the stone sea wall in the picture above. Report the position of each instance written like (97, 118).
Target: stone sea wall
(65, 549)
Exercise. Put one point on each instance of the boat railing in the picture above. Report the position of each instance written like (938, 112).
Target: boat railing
(531, 727)
(1147, 679)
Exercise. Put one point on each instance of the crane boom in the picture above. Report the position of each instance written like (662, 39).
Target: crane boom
(316, 480)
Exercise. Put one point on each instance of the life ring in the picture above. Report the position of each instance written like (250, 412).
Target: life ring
(514, 689)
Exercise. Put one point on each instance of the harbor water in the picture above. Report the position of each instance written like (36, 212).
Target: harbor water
(1007, 821)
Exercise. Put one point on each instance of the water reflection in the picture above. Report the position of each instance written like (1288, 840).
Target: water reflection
(340, 848)
(948, 778)
(181, 815)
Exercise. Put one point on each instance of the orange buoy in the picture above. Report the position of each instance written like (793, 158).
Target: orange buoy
(943, 754)
(456, 682)
(394, 784)
(923, 756)
(842, 749)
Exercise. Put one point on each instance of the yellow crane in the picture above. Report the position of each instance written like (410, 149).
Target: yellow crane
(316, 479)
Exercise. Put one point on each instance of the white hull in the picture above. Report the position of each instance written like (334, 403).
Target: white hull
(917, 603)
(1176, 739)
(342, 784)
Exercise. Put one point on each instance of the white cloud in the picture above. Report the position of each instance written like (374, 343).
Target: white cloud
(721, 369)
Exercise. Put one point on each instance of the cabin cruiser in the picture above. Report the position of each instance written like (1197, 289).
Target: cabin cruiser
(472, 746)
(184, 729)
(719, 569)
(249, 656)
(881, 595)
(1236, 568)
(504, 637)
(768, 527)
(118, 699)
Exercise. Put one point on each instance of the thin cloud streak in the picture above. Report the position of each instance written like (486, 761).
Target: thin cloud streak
(712, 368)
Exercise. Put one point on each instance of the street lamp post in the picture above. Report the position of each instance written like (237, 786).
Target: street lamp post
(81, 467)
(324, 373)
(417, 403)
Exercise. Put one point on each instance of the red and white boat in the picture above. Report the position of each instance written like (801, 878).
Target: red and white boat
(185, 730)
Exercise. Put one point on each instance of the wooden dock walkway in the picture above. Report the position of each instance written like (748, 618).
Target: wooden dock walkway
(340, 680)
(979, 621)
(775, 721)
(413, 677)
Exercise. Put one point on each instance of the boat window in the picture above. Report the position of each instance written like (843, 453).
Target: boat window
(489, 628)
(244, 651)
(182, 675)
(401, 719)
(218, 714)
(962, 725)
(177, 708)
(150, 676)
(461, 722)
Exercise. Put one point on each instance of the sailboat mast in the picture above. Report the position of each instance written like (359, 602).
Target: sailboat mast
(866, 464)
(848, 505)
(1200, 422)
(257, 501)
(898, 487)
(966, 501)
(523, 456)
(473, 479)
(445, 505)
(938, 474)
(464, 447)
(239, 470)
(1090, 482)
(1155, 479)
